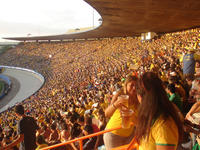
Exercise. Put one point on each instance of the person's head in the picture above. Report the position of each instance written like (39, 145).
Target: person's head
(197, 64)
(19, 109)
(73, 119)
(40, 140)
(171, 88)
(87, 130)
(149, 86)
(53, 126)
(101, 115)
(64, 126)
(129, 85)
(44, 127)
(189, 80)
(81, 120)
(88, 120)
(191, 51)
(153, 103)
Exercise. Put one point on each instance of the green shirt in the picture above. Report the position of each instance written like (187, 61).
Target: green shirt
(196, 147)
(176, 99)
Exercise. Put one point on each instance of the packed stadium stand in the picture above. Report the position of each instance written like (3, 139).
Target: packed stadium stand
(84, 80)
(75, 68)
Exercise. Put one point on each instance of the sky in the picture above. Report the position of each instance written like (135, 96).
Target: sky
(44, 17)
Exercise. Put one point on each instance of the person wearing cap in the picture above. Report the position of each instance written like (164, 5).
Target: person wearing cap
(27, 128)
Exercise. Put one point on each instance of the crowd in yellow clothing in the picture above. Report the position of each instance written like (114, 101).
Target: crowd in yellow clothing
(82, 75)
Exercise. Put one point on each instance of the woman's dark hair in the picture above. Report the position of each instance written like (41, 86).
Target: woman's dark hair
(88, 120)
(154, 103)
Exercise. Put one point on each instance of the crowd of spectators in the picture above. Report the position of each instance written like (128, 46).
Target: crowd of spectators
(81, 77)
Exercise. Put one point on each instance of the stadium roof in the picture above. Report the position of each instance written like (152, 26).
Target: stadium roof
(123, 18)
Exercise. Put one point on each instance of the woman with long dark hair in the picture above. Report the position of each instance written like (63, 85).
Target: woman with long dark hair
(158, 124)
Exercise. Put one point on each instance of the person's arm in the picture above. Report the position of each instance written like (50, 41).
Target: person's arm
(18, 140)
(115, 104)
(59, 136)
(97, 143)
(73, 146)
(50, 137)
(112, 107)
(195, 108)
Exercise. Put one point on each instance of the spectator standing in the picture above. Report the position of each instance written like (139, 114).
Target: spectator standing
(27, 128)
(189, 63)
(173, 96)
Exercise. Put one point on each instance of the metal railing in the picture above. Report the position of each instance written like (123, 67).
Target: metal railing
(80, 140)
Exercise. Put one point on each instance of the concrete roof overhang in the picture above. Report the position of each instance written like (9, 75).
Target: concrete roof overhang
(123, 18)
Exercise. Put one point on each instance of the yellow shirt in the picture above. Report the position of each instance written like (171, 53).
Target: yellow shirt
(196, 56)
(163, 132)
(90, 104)
(87, 106)
(95, 111)
(181, 58)
(116, 121)
(81, 111)
(152, 66)
(163, 77)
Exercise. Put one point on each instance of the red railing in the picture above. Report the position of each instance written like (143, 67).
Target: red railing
(131, 145)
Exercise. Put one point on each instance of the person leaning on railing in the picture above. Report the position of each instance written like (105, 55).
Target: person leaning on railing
(194, 109)
(121, 136)
(159, 126)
